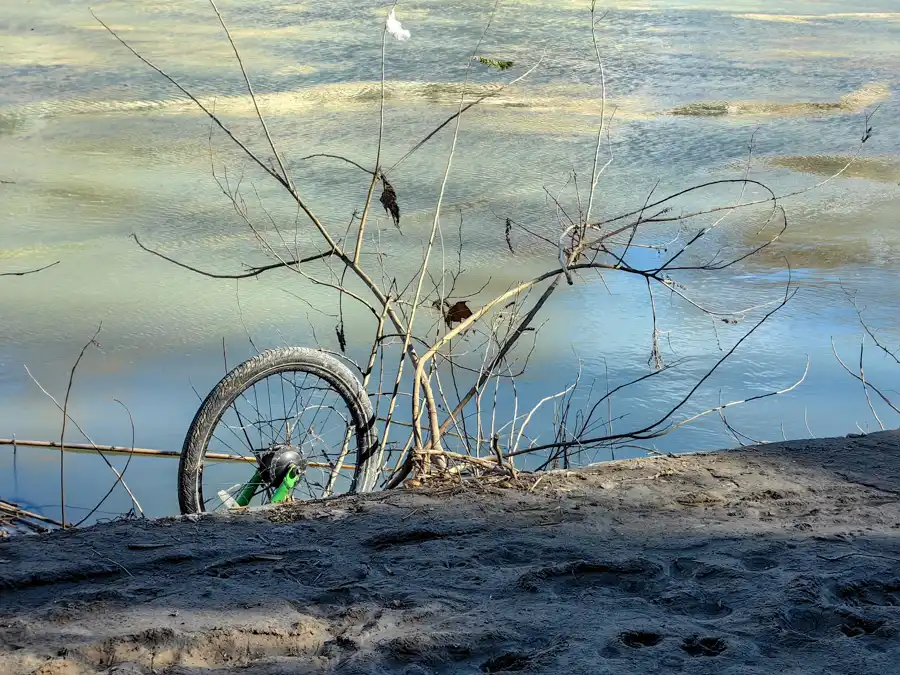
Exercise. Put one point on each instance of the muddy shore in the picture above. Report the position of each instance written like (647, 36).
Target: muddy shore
(782, 558)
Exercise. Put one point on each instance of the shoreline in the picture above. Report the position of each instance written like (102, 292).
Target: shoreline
(736, 561)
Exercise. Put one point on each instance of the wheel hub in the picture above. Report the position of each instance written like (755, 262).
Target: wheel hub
(275, 463)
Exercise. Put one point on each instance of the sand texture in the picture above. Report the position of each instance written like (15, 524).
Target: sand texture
(775, 559)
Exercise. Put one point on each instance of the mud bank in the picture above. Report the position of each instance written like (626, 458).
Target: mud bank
(780, 558)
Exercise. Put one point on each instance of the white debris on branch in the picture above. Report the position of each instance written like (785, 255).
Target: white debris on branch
(394, 28)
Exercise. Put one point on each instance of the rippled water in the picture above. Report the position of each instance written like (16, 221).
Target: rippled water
(96, 147)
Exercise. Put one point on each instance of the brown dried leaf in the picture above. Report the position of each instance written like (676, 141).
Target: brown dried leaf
(341, 336)
(457, 313)
(389, 201)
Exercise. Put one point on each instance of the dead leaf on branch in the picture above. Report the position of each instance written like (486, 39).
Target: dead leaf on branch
(341, 336)
(456, 313)
(389, 201)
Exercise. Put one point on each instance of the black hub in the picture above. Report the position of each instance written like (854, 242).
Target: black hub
(276, 462)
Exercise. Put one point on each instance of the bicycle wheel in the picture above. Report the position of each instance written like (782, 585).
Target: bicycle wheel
(287, 423)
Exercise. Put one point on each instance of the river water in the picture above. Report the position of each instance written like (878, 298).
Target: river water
(94, 146)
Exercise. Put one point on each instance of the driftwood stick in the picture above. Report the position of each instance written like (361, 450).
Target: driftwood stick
(121, 450)
(17, 511)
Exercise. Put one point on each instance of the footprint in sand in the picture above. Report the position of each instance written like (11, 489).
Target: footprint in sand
(688, 568)
(871, 592)
(759, 563)
(637, 639)
(694, 605)
(855, 626)
(704, 646)
(685, 567)
(824, 623)
(633, 577)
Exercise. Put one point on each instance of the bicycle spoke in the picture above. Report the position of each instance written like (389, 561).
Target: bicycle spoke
(296, 402)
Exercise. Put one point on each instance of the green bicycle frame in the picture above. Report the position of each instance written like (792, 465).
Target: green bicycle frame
(281, 493)
(287, 485)
(249, 490)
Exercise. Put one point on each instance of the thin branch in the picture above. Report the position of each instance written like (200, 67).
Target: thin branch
(34, 271)
(252, 272)
(862, 379)
(368, 204)
(259, 115)
(866, 327)
(66, 416)
(65, 412)
(419, 375)
(197, 102)
(653, 430)
(463, 109)
(531, 413)
(341, 158)
(746, 400)
(120, 477)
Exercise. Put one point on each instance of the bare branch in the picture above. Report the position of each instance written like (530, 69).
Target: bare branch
(259, 115)
(120, 477)
(34, 271)
(862, 379)
(252, 272)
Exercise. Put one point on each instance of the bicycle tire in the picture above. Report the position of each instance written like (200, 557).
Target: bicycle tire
(273, 362)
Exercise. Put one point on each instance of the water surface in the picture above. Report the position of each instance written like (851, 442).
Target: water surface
(96, 147)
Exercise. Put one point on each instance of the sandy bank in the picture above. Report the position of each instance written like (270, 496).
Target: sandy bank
(777, 559)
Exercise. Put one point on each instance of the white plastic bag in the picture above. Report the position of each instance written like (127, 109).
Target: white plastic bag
(394, 28)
